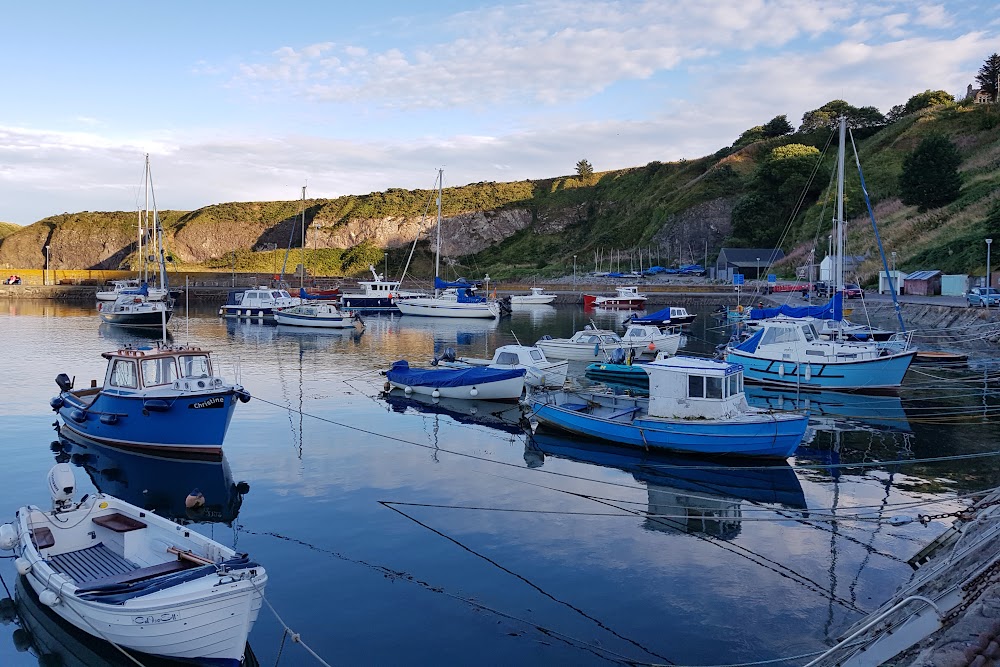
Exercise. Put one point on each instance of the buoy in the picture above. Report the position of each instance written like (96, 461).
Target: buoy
(781, 370)
(22, 565)
(48, 598)
(436, 394)
(808, 372)
(195, 500)
(651, 347)
(473, 392)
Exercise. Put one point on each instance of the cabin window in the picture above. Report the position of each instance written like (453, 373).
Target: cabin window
(276, 295)
(713, 387)
(808, 332)
(734, 384)
(507, 358)
(593, 339)
(779, 335)
(536, 355)
(610, 339)
(158, 371)
(696, 386)
(196, 365)
(123, 374)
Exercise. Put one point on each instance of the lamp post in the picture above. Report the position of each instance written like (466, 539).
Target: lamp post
(385, 255)
(45, 274)
(758, 268)
(892, 277)
(234, 268)
(988, 242)
(574, 273)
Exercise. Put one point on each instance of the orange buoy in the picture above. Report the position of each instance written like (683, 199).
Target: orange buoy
(651, 347)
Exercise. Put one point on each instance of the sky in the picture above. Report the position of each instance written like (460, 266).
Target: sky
(250, 101)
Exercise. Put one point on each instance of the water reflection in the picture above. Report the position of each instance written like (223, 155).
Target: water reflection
(54, 642)
(123, 335)
(501, 416)
(829, 410)
(184, 489)
(685, 494)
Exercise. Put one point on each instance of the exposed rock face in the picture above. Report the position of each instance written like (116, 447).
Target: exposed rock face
(684, 234)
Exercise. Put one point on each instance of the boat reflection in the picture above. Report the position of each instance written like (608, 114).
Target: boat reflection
(535, 313)
(184, 489)
(501, 416)
(317, 339)
(53, 641)
(125, 335)
(835, 410)
(685, 494)
(445, 331)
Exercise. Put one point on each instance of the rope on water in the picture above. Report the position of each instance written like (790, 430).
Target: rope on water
(296, 637)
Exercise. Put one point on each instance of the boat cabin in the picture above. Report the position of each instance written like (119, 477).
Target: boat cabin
(642, 332)
(591, 336)
(263, 297)
(694, 388)
(177, 367)
(379, 288)
(514, 355)
(627, 292)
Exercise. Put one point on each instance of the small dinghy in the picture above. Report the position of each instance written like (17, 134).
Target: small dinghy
(487, 384)
(128, 576)
(318, 314)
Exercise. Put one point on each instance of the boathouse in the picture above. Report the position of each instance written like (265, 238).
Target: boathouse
(751, 262)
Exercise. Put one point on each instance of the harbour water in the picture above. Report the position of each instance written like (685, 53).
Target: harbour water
(399, 532)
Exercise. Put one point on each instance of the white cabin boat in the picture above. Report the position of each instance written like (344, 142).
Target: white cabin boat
(540, 372)
(116, 288)
(537, 296)
(135, 310)
(257, 302)
(129, 576)
(375, 295)
(650, 339)
(318, 314)
(593, 343)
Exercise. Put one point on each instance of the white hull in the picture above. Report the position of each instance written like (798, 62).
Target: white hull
(501, 390)
(433, 307)
(317, 321)
(587, 352)
(155, 294)
(532, 300)
(549, 374)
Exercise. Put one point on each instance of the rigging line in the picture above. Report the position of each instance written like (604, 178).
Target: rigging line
(527, 581)
(398, 575)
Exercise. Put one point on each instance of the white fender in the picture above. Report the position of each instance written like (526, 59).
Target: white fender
(781, 370)
(436, 394)
(473, 392)
(22, 565)
(48, 598)
(8, 537)
(407, 390)
(808, 372)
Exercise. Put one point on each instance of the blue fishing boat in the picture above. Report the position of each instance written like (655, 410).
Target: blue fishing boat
(486, 384)
(695, 405)
(675, 315)
(163, 397)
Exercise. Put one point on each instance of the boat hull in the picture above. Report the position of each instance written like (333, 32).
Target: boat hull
(194, 422)
(367, 303)
(247, 312)
(501, 390)
(874, 374)
(766, 435)
(315, 321)
(632, 303)
(446, 308)
(532, 300)
(556, 349)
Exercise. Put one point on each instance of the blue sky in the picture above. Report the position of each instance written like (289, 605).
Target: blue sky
(251, 100)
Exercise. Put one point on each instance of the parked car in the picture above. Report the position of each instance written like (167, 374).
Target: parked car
(853, 291)
(822, 287)
(983, 296)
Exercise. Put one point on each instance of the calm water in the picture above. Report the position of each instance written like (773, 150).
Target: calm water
(396, 532)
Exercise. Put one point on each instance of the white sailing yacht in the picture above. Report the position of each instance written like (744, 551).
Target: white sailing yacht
(463, 303)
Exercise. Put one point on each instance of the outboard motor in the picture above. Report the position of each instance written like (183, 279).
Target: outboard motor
(62, 483)
(448, 354)
(617, 356)
(65, 384)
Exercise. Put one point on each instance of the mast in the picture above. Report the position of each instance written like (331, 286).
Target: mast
(437, 252)
(142, 226)
(838, 257)
(302, 276)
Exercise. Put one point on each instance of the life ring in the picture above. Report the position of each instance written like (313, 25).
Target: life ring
(739, 309)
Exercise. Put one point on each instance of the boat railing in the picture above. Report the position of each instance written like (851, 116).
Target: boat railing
(898, 342)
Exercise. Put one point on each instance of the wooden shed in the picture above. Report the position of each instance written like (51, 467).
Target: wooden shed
(923, 283)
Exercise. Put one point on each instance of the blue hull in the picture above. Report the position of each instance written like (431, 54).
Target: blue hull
(193, 423)
(880, 373)
(774, 437)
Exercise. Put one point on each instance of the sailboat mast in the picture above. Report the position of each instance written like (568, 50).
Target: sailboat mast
(144, 225)
(302, 276)
(437, 252)
(838, 257)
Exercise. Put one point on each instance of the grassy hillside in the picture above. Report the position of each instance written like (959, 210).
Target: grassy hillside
(678, 208)
(8, 228)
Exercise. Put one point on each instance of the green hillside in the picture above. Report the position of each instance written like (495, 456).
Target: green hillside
(767, 188)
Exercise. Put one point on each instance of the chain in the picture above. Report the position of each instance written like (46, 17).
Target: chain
(962, 515)
(973, 589)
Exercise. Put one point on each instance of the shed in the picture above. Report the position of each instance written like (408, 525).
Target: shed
(923, 283)
(954, 285)
(751, 262)
(883, 282)
(851, 263)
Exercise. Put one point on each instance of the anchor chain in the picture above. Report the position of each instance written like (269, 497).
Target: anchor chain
(968, 514)
(973, 589)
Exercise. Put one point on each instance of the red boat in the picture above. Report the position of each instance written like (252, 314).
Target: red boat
(626, 297)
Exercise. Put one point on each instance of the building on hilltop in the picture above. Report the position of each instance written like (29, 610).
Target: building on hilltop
(978, 95)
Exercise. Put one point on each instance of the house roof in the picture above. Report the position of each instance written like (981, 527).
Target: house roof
(923, 275)
(749, 256)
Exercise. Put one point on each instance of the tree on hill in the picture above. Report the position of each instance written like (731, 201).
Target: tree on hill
(778, 127)
(753, 135)
(584, 170)
(785, 176)
(930, 177)
(928, 98)
(828, 114)
(988, 75)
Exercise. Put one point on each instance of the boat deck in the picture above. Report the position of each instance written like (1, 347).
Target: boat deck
(91, 564)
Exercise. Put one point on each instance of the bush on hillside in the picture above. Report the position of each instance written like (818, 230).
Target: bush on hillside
(930, 177)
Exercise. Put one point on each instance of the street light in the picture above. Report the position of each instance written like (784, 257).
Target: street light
(386, 256)
(574, 272)
(758, 268)
(45, 274)
(988, 242)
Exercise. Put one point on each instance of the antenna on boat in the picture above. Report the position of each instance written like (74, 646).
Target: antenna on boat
(515, 337)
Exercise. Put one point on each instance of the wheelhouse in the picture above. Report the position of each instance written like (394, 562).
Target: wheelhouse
(180, 367)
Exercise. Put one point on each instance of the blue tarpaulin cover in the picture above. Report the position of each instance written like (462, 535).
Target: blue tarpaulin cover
(833, 310)
(444, 284)
(659, 317)
(143, 290)
(448, 377)
(464, 296)
(750, 344)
